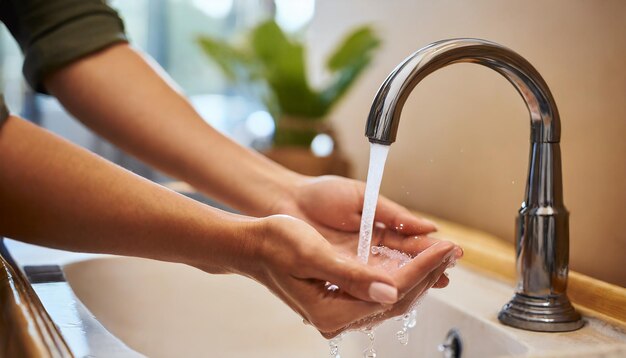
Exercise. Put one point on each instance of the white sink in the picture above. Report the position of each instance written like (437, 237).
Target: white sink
(169, 310)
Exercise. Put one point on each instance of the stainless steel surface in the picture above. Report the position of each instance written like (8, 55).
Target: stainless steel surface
(384, 117)
(540, 302)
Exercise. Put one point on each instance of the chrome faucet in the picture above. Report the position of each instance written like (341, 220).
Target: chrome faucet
(540, 302)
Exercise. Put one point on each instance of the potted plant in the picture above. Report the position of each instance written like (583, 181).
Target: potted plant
(272, 66)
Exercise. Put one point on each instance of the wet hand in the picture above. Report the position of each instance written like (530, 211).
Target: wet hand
(297, 263)
(332, 203)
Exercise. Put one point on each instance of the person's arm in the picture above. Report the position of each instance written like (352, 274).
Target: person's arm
(56, 194)
(119, 95)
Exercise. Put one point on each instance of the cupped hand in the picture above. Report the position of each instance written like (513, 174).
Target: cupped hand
(333, 206)
(297, 264)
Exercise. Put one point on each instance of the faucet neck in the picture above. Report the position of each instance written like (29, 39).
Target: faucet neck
(384, 117)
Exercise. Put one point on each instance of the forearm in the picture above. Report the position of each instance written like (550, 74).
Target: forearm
(55, 194)
(117, 94)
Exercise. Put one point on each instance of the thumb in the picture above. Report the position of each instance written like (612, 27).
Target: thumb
(353, 277)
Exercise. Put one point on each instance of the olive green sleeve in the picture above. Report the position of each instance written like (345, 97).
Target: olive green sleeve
(53, 33)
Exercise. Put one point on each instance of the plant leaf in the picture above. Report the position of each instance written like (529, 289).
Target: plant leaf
(285, 70)
(342, 82)
(230, 60)
(275, 63)
(348, 62)
(360, 43)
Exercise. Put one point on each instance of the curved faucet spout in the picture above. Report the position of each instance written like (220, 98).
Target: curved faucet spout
(542, 234)
(384, 117)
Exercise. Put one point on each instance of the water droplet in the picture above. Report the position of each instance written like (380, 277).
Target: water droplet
(331, 287)
(412, 321)
(403, 337)
(369, 353)
(334, 346)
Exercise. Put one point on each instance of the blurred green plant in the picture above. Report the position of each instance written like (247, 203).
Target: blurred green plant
(269, 60)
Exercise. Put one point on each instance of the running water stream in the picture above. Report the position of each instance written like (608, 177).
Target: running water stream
(391, 260)
(378, 157)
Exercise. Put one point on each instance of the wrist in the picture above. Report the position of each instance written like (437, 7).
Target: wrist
(285, 200)
(226, 244)
(270, 247)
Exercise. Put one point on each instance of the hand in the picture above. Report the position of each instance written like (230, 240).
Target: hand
(296, 263)
(333, 206)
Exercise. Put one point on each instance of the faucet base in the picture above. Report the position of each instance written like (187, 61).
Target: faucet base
(542, 314)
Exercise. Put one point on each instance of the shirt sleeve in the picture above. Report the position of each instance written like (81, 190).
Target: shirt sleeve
(54, 33)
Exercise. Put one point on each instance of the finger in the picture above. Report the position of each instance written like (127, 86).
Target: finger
(411, 298)
(412, 245)
(442, 282)
(417, 292)
(353, 277)
(329, 311)
(401, 307)
(399, 218)
(418, 268)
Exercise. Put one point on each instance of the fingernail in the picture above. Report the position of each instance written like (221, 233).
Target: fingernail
(458, 252)
(383, 293)
(429, 222)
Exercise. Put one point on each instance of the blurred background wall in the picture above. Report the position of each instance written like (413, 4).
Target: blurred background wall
(462, 148)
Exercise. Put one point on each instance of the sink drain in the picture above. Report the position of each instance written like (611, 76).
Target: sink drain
(452, 346)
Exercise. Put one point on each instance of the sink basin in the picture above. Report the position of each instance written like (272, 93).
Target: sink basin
(166, 310)
(169, 310)
(126, 307)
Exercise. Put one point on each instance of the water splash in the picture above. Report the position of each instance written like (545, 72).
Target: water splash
(334, 346)
(390, 260)
(378, 157)
(393, 260)
(409, 321)
(369, 352)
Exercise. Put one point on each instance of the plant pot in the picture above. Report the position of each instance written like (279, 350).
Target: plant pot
(297, 155)
(302, 160)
